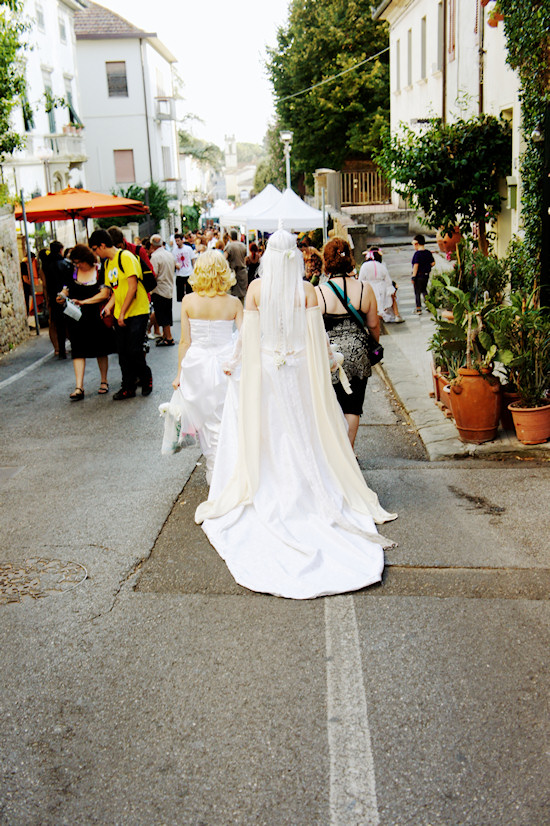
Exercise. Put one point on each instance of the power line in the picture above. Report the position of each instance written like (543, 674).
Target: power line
(328, 79)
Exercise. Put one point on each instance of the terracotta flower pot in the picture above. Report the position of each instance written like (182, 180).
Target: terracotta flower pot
(492, 22)
(532, 423)
(475, 404)
(508, 396)
(448, 243)
(444, 397)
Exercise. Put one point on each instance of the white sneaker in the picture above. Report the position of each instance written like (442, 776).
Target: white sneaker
(153, 336)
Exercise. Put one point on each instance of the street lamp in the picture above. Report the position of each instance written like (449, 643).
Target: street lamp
(286, 138)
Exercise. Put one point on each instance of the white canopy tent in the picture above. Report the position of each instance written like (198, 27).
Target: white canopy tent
(288, 212)
(245, 214)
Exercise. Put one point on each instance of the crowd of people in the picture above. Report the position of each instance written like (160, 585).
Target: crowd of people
(100, 299)
(272, 368)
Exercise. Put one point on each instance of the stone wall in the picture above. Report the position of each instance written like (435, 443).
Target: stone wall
(13, 317)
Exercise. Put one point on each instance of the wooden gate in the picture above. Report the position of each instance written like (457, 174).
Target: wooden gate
(365, 186)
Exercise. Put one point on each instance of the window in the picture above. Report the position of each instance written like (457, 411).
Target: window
(161, 89)
(62, 29)
(40, 22)
(124, 166)
(409, 58)
(73, 117)
(48, 96)
(398, 66)
(28, 116)
(117, 83)
(440, 44)
(423, 48)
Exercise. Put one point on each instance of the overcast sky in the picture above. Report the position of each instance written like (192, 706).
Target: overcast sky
(220, 47)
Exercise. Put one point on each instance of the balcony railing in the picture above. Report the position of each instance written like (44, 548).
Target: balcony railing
(364, 188)
(165, 108)
(58, 147)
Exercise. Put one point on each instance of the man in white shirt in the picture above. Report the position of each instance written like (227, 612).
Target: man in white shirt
(185, 258)
(165, 267)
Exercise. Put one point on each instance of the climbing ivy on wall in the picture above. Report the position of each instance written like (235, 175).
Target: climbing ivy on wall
(527, 32)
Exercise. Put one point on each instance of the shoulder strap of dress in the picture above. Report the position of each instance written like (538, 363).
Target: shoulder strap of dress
(324, 302)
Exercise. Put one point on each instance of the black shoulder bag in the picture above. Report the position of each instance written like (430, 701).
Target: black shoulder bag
(374, 348)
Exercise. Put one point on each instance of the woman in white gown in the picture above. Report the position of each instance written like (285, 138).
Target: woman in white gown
(208, 317)
(288, 508)
(375, 273)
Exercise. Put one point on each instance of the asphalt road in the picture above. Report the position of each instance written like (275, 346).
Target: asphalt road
(156, 691)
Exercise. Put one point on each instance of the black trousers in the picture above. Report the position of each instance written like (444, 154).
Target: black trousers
(420, 283)
(131, 355)
(182, 287)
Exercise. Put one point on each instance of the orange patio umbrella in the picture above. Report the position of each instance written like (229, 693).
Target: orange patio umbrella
(74, 203)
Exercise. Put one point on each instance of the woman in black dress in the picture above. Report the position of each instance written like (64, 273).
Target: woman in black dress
(343, 332)
(89, 336)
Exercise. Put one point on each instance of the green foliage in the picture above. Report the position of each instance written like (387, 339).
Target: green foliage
(527, 42)
(451, 171)
(205, 153)
(520, 266)
(474, 273)
(12, 73)
(466, 340)
(190, 217)
(522, 333)
(342, 117)
(157, 200)
(272, 169)
(250, 153)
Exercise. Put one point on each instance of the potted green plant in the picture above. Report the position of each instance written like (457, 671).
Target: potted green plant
(474, 391)
(521, 331)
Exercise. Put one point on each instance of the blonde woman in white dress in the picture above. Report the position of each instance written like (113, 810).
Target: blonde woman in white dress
(289, 510)
(209, 318)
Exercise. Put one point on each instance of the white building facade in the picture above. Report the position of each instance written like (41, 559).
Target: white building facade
(447, 61)
(126, 86)
(54, 153)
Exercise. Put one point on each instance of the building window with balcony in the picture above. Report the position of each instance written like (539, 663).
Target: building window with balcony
(117, 82)
(124, 166)
(409, 57)
(423, 46)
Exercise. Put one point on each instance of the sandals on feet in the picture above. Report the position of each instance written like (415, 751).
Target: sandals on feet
(103, 388)
(78, 395)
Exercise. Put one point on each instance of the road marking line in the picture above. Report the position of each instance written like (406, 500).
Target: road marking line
(352, 780)
(26, 370)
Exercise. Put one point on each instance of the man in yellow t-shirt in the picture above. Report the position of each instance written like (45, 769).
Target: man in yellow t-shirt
(129, 303)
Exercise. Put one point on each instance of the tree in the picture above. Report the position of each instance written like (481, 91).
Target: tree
(451, 171)
(205, 153)
(252, 153)
(12, 73)
(342, 117)
(272, 169)
(157, 199)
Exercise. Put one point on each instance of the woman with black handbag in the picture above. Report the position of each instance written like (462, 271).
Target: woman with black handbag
(351, 320)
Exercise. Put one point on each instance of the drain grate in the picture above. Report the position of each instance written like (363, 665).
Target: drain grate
(38, 578)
